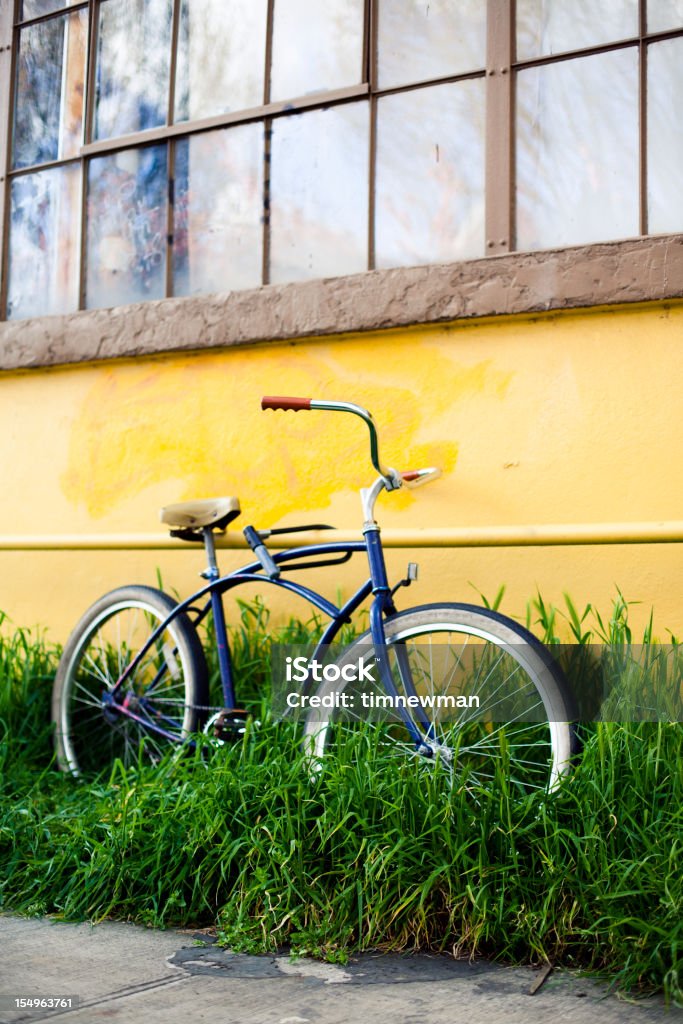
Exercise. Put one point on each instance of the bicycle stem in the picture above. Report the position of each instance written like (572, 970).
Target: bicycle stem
(368, 497)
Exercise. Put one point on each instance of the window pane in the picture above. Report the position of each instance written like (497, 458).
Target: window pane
(132, 66)
(551, 26)
(664, 14)
(218, 211)
(577, 151)
(43, 243)
(126, 257)
(48, 122)
(664, 144)
(419, 41)
(430, 175)
(316, 46)
(221, 57)
(319, 193)
(34, 8)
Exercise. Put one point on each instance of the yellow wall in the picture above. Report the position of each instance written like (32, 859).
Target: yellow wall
(570, 418)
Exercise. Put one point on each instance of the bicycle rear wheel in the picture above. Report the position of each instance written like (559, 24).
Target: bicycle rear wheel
(168, 689)
(443, 656)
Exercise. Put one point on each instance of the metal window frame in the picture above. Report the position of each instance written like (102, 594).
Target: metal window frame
(642, 116)
(88, 118)
(170, 151)
(8, 50)
(498, 173)
(79, 5)
(370, 75)
(500, 76)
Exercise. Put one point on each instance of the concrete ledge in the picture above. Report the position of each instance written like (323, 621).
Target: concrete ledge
(640, 270)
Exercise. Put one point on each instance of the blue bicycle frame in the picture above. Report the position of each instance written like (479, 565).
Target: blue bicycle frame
(381, 608)
(267, 569)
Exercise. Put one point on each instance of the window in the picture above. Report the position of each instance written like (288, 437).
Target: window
(598, 142)
(180, 147)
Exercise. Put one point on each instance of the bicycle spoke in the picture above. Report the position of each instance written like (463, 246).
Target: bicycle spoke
(97, 670)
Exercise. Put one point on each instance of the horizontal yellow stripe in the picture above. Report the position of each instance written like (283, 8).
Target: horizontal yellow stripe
(559, 535)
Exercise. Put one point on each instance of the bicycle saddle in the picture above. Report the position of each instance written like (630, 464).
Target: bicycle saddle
(193, 515)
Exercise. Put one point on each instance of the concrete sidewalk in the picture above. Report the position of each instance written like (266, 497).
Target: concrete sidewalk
(124, 973)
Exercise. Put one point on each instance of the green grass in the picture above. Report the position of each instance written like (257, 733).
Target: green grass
(376, 853)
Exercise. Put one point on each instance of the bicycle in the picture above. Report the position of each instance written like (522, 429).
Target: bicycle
(134, 669)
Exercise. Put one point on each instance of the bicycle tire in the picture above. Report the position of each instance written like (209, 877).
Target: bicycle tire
(169, 687)
(536, 753)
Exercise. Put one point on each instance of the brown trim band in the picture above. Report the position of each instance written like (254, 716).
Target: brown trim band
(641, 270)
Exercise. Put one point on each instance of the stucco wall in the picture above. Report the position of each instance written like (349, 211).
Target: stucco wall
(566, 418)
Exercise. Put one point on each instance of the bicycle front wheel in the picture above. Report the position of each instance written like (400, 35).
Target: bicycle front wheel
(161, 702)
(479, 695)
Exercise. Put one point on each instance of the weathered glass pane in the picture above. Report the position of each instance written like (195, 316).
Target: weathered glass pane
(221, 57)
(44, 242)
(218, 214)
(553, 26)
(316, 46)
(48, 120)
(664, 142)
(133, 59)
(126, 230)
(319, 193)
(419, 40)
(34, 8)
(430, 175)
(577, 151)
(663, 15)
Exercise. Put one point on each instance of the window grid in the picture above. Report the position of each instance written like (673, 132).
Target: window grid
(500, 74)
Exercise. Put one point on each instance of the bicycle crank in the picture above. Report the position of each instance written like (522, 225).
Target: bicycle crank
(227, 726)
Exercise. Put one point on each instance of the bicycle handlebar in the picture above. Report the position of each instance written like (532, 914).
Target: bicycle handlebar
(392, 479)
(291, 404)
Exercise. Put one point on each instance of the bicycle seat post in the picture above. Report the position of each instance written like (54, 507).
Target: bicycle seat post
(211, 572)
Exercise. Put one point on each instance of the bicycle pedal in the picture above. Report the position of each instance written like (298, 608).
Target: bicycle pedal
(227, 726)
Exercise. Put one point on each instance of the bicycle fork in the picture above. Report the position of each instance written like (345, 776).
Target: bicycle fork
(383, 607)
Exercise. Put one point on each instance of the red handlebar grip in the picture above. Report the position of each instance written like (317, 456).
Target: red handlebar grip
(278, 402)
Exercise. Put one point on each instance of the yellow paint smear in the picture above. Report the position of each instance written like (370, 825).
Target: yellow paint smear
(198, 420)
